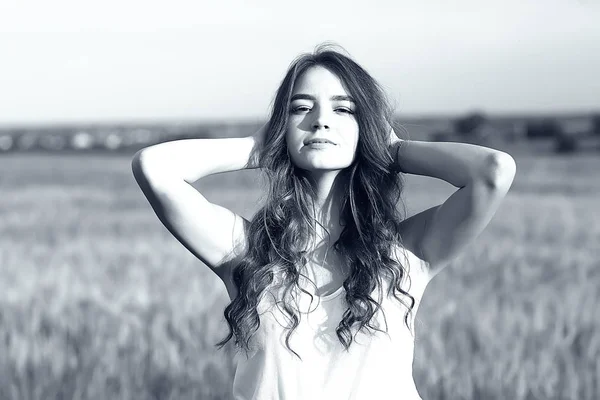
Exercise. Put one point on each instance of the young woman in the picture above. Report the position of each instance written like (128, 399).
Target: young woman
(326, 278)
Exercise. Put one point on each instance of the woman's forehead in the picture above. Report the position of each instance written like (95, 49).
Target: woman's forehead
(319, 81)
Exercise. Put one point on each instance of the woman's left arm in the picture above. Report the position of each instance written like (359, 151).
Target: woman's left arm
(483, 177)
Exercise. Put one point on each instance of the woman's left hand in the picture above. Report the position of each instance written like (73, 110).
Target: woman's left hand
(393, 138)
(394, 143)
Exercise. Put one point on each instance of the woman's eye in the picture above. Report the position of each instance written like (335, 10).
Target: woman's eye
(300, 108)
(345, 110)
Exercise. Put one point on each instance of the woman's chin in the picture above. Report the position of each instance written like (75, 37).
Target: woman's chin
(321, 168)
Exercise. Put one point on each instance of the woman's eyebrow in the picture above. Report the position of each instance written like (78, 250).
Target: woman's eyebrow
(302, 96)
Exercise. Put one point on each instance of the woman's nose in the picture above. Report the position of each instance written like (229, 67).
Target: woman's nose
(321, 120)
(320, 125)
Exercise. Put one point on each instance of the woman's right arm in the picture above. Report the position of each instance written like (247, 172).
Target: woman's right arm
(165, 171)
(192, 159)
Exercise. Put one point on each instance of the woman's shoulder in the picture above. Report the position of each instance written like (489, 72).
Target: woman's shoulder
(417, 267)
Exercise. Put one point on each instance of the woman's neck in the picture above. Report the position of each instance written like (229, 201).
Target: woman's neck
(327, 197)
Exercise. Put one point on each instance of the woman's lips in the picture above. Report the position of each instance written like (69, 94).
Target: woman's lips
(319, 145)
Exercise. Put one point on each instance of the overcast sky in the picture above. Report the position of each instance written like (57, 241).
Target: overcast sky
(68, 61)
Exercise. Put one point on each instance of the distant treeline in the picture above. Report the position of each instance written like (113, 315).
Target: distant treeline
(474, 127)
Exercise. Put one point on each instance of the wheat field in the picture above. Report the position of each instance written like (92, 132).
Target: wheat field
(99, 301)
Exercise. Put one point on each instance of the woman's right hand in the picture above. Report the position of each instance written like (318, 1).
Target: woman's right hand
(260, 134)
(259, 139)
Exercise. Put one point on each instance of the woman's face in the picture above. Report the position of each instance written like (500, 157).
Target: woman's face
(321, 109)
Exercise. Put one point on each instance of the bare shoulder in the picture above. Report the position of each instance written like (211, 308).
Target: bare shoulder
(417, 269)
(231, 261)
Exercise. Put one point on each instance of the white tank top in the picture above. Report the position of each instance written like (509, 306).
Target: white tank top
(377, 366)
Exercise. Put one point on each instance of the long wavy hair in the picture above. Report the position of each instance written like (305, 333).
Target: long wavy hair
(280, 230)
